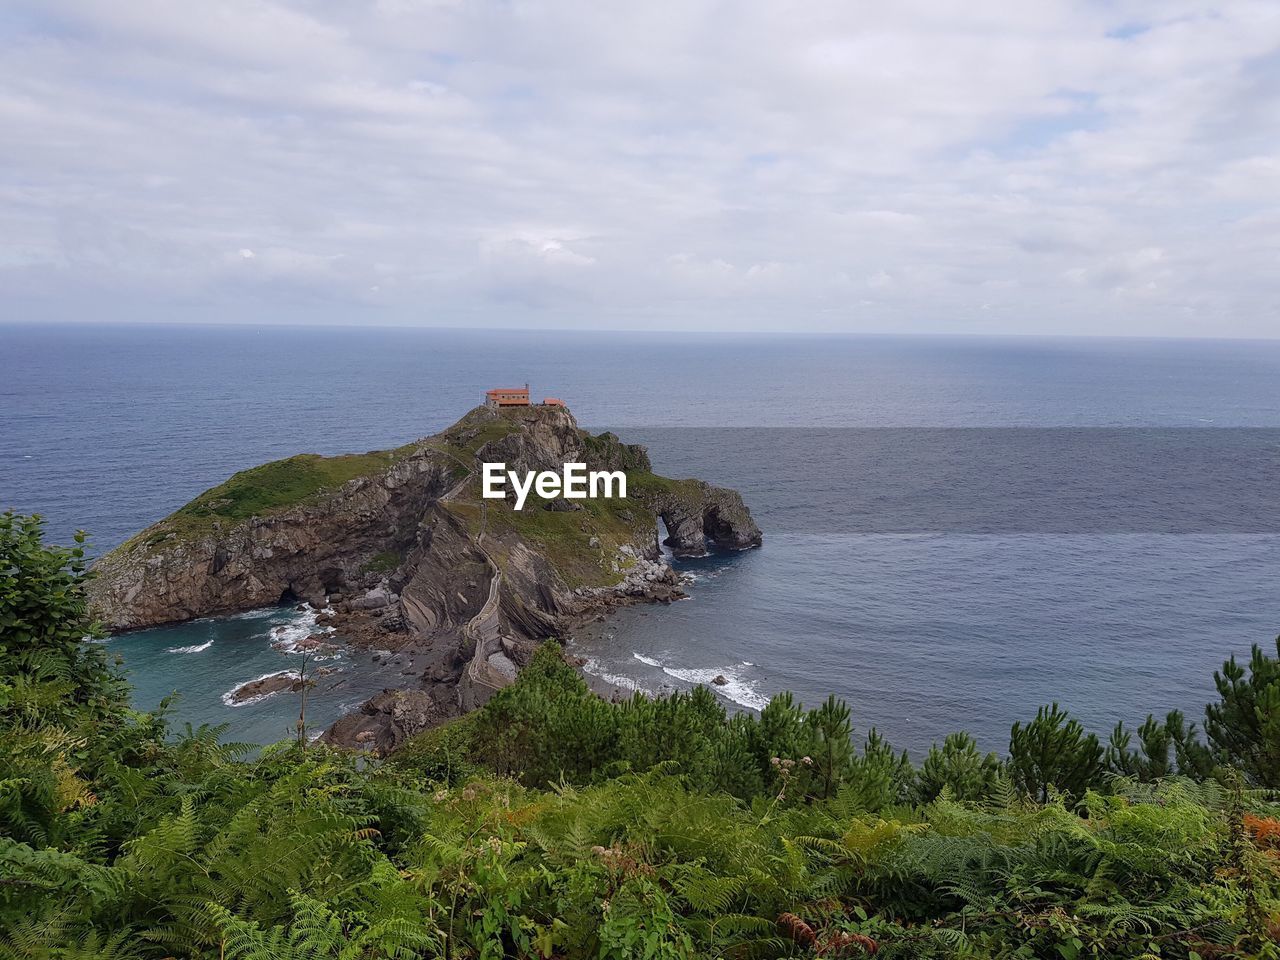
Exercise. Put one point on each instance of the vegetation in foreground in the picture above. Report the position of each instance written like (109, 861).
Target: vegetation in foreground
(553, 824)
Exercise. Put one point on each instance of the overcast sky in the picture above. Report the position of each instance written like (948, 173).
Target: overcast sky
(1023, 166)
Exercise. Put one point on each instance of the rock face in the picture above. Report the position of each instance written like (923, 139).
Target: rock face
(697, 513)
(265, 686)
(302, 553)
(385, 721)
(404, 554)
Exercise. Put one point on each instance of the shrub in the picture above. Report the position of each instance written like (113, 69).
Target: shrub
(1054, 752)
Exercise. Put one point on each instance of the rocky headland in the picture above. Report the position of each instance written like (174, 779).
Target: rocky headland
(399, 553)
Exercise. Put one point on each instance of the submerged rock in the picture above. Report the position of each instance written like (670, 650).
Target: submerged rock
(318, 644)
(266, 686)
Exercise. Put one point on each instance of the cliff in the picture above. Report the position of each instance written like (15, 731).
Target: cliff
(402, 553)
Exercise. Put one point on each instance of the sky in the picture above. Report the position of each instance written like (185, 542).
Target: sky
(942, 166)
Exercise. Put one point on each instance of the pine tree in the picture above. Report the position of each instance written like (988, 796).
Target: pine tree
(1244, 726)
(832, 745)
(958, 767)
(1165, 748)
(1053, 751)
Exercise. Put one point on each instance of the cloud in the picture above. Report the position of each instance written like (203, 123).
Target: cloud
(1057, 167)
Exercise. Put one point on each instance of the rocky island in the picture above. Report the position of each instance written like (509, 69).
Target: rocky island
(399, 552)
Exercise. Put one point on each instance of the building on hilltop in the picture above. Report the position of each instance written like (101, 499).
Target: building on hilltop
(507, 397)
(500, 397)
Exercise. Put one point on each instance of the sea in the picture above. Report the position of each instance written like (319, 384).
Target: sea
(957, 530)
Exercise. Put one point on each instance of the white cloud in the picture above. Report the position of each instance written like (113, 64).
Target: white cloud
(1053, 167)
(532, 246)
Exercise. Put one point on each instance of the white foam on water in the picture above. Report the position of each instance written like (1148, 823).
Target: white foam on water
(626, 683)
(292, 632)
(253, 614)
(260, 612)
(740, 691)
(286, 636)
(688, 576)
(194, 648)
(228, 698)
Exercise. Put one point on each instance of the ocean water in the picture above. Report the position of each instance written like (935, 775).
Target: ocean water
(957, 530)
(205, 660)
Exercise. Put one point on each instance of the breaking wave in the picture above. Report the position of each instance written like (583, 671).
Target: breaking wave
(194, 648)
(286, 636)
(735, 688)
(253, 614)
(626, 683)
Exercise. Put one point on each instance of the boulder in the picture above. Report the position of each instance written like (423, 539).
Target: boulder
(266, 686)
(375, 599)
(385, 721)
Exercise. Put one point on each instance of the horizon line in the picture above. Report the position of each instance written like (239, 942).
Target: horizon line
(681, 331)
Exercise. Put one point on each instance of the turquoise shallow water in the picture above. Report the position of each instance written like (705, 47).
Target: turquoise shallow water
(935, 580)
(205, 660)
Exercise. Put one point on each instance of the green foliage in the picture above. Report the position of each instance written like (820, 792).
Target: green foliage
(1244, 726)
(1054, 752)
(958, 768)
(318, 931)
(47, 673)
(833, 748)
(384, 562)
(265, 489)
(1164, 749)
(58, 693)
(549, 728)
(442, 754)
(557, 825)
(546, 728)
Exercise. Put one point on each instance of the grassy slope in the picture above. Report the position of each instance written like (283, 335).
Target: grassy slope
(564, 539)
(267, 489)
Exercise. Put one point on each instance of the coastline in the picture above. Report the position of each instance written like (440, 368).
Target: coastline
(397, 552)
